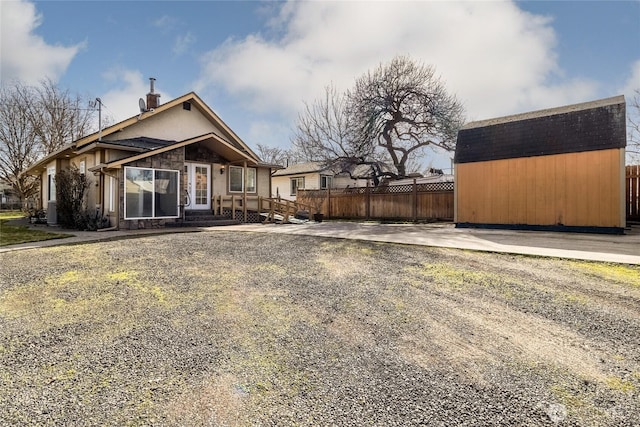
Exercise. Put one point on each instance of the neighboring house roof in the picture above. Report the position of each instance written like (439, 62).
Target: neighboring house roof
(301, 168)
(359, 171)
(423, 179)
(588, 126)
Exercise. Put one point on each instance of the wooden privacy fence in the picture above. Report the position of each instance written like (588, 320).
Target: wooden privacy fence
(432, 201)
(632, 183)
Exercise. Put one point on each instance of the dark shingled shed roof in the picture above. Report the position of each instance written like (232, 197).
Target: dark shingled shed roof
(596, 125)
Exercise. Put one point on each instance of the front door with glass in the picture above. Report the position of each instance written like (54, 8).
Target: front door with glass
(199, 185)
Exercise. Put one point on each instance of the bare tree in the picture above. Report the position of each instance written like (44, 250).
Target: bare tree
(18, 146)
(34, 122)
(59, 117)
(326, 133)
(390, 116)
(404, 107)
(272, 155)
(633, 128)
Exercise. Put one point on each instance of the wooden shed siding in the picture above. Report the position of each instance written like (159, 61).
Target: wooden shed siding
(573, 189)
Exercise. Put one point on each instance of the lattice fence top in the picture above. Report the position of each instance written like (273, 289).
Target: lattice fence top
(408, 188)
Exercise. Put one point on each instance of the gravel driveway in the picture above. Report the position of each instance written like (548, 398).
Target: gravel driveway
(242, 329)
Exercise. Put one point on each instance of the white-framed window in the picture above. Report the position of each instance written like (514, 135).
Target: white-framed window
(296, 183)
(151, 193)
(325, 181)
(51, 184)
(236, 179)
(81, 167)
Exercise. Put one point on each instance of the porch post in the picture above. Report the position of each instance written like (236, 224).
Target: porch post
(367, 201)
(415, 201)
(244, 191)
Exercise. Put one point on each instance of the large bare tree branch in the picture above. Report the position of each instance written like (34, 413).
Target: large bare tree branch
(18, 147)
(633, 128)
(34, 122)
(326, 134)
(390, 116)
(406, 108)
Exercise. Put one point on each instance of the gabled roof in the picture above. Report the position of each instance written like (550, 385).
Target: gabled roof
(228, 143)
(228, 135)
(65, 151)
(228, 150)
(595, 125)
(301, 168)
(360, 171)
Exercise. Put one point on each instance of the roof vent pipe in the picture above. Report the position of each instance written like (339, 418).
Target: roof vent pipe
(151, 83)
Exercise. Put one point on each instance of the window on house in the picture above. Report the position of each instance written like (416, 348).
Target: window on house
(151, 193)
(236, 179)
(112, 194)
(251, 180)
(295, 184)
(81, 167)
(325, 181)
(51, 184)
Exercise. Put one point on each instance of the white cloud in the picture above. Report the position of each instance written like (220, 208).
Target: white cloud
(165, 23)
(497, 58)
(121, 103)
(182, 43)
(25, 55)
(633, 82)
(271, 133)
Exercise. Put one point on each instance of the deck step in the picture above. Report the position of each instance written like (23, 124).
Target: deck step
(203, 218)
(199, 212)
(203, 223)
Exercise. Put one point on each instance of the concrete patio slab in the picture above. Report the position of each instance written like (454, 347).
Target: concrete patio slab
(623, 249)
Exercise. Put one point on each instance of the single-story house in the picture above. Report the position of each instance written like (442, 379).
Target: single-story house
(557, 169)
(286, 182)
(151, 169)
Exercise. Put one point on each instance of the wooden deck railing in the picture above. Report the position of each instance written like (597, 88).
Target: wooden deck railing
(272, 208)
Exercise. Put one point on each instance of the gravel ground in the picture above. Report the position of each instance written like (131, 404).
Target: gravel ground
(240, 329)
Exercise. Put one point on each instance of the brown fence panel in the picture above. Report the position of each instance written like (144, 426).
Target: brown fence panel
(632, 183)
(407, 202)
(345, 205)
(437, 205)
(392, 205)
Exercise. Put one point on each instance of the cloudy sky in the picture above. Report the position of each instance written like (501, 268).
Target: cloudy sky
(256, 62)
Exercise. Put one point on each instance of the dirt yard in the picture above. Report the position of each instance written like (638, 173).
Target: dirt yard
(238, 329)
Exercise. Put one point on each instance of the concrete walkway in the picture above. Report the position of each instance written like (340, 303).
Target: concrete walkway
(593, 247)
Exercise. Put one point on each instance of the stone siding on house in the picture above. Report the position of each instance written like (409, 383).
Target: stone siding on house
(171, 160)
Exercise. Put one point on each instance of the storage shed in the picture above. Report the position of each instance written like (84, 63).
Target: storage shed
(557, 169)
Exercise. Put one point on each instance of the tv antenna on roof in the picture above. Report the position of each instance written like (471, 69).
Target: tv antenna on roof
(142, 105)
